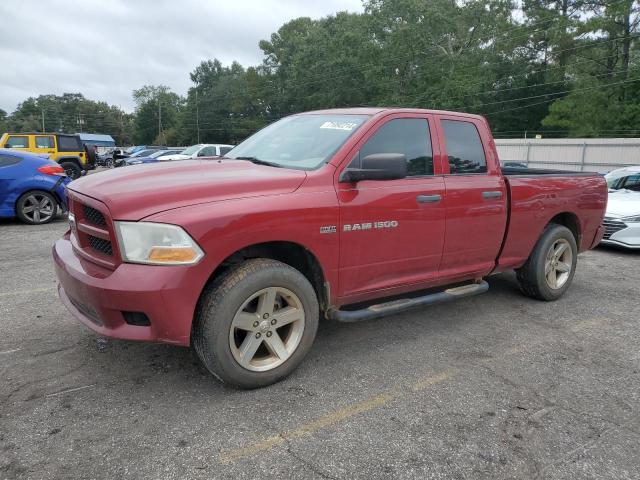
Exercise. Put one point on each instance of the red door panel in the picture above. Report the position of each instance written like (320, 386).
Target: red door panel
(475, 224)
(406, 248)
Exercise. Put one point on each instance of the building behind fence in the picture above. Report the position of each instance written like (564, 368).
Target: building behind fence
(588, 154)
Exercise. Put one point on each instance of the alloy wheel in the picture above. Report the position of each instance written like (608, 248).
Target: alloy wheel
(38, 208)
(267, 329)
(558, 264)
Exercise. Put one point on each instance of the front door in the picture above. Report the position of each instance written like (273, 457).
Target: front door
(392, 232)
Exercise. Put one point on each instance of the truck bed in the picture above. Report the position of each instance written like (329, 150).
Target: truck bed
(537, 195)
(527, 172)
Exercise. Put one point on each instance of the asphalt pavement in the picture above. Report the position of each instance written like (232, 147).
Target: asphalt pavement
(495, 386)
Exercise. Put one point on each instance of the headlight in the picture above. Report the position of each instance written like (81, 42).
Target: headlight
(635, 218)
(156, 244)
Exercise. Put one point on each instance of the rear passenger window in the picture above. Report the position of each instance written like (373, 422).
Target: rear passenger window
(17, 142)
(44, 142)
(464, 147)
(225, 150)
(7, 160)
(409, 136)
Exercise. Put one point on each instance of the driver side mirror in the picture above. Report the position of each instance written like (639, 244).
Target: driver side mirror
(377, 166)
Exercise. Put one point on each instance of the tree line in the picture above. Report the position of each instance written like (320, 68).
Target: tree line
(553, 67)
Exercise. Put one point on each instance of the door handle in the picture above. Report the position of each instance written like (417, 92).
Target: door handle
(428, 198)
(490, 195)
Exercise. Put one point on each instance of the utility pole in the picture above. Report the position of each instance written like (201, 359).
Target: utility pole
(159, 118)
(197, 116)
(43, 120)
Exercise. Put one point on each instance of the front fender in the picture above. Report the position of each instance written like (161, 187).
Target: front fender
(223, 228)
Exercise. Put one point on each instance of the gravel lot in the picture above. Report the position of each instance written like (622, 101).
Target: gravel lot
(496, 386)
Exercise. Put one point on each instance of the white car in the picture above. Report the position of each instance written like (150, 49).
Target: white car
(200, 150)
(622, 219)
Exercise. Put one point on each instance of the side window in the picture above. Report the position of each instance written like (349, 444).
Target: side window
(632, 182)
(68, 143)
(15, 141)
(44, 142)
(6, 160)
(207, 152)
(225, 150)
(464, 148)
(409, 136)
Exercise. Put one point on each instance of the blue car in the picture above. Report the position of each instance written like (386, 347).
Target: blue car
(147, 157)
(32, 187)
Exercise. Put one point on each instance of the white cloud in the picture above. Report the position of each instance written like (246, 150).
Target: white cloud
(105, 49)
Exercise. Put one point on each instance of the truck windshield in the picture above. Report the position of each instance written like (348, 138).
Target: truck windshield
(303, 142)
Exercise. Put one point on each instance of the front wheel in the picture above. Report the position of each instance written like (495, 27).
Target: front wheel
(256, 323)
(549, 270)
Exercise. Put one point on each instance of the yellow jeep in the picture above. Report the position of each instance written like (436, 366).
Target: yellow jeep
(65, 149)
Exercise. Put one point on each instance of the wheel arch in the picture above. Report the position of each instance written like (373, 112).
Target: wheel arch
(572, 222)
(72, 159)
(290, 253)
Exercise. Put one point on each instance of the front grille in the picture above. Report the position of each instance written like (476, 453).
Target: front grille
(100, 245)
(611, 226)
(93, 216)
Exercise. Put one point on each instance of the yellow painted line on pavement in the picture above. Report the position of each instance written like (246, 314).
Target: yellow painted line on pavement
(428, 382)
(26, 292)
(330, 419)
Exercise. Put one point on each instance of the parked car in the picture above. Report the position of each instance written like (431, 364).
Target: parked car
(622, 220)
(67, 150)
(122, 160)
(151, 158)
(201, 150)
(320, 215)
(32, 187)
(515, 165)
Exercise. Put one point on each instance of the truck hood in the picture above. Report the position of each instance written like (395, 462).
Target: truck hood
(135, 192)
(623, 203)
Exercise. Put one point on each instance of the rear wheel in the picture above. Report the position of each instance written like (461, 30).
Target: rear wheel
(36, 207)
(72, 170)
(256, 323)
(549, 270)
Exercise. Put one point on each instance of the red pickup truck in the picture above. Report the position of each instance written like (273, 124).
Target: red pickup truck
(342, 214)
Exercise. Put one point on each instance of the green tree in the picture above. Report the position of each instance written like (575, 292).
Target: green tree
(157, 111)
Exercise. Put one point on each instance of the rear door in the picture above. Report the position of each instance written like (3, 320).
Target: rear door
(45, 144)
(475, 201)
(392, 232)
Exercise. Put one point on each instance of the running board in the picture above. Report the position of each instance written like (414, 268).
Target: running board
(403, 304)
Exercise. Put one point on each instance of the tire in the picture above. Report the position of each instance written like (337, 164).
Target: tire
(236, 337)
(536, 276)
(72, 170)
(36, 207)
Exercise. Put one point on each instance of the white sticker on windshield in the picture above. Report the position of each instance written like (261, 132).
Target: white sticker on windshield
(348, 126)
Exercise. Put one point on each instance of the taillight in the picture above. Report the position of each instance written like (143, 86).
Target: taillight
(52, 170)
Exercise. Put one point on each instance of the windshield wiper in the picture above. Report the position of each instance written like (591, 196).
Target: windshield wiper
(257, 161)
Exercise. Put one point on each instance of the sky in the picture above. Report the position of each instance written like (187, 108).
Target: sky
(105, 49)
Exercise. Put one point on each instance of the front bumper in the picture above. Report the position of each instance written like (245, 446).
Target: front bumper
(97, 297)
(627, 237)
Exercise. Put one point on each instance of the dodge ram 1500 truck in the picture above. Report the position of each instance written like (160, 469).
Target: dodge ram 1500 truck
(344, 214)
